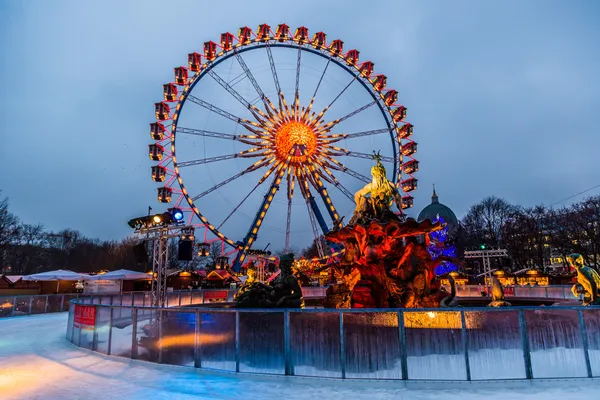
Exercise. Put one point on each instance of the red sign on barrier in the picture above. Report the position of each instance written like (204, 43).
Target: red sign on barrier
(85, 317)
(215, 296)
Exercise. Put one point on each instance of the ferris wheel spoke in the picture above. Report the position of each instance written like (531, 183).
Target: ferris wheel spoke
(356, 175)
(318, 185)
(290, 195)
(296, 93)
(313, 215)
(335, 164)
(223, 183)
(312, 99)
(303, 179)
(207, 160)
(336, 137)
(315, 230)
(262, 212)
(229, 89)
(244, 122)
(328, 176)
(327, 127)
(320, 116)
(367, 156)
(274, 73)
(239, 97)
(202, 132)
(340, 93)
(248, 73)
(239, 205)
(288, 225)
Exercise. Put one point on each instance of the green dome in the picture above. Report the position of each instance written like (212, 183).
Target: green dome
(437, 209)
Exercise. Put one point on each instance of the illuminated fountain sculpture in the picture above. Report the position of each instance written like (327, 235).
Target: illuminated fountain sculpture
(384, 265)
(284, 291)
(588, 281)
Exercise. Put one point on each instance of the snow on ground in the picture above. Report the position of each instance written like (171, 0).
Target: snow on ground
(36, 362)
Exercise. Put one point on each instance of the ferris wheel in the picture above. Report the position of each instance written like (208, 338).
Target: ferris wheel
(269, 132)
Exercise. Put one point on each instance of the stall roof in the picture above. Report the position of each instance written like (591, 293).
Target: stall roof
(221, 274)
(13, 278)
(121, 274)
(58, 275)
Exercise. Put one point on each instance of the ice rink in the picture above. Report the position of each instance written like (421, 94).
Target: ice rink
(36, 362)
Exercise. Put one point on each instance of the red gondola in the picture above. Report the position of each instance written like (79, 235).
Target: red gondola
(244, 35)
(399, 113)
(264, 32)
(170, 92)
(165, 194)
(155, 151)
(409, 185)
(227, 41)
(336, 47)
(195, 62)
(410, 167)
(282, 33)
(366, 69)
(159, 173)
(379, 82)
(181, 75)
(390, 97)
(319, 40)
(352, 57)
(162, 111)
(407, 202)
(210, 50)
(157, 131)
(409, 148)
(406, 131)
(301, 35)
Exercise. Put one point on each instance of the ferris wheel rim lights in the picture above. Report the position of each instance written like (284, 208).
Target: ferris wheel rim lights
(375, 85)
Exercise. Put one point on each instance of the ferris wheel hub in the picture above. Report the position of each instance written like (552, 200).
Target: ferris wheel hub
(295, 139)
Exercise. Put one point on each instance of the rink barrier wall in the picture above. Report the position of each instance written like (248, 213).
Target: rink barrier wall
(41, 304)
(462, 344)
(21, 305)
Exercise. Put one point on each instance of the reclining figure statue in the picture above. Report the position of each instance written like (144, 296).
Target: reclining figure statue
(283, 292)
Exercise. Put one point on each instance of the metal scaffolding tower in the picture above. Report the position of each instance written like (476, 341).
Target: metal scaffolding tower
(159, 238)
(486, 255)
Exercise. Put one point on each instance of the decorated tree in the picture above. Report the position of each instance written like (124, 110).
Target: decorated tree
(439, 246)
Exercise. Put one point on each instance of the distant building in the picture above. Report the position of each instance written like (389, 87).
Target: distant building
(435, 210)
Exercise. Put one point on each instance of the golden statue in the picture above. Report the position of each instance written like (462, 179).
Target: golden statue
(588, 280)
(375, 200)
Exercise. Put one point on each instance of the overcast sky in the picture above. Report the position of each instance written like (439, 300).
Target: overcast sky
(504, 95)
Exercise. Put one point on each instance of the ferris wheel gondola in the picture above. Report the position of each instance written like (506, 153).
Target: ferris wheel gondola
(293, 143)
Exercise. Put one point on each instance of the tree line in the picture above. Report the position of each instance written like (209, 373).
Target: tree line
(534, 236)
(27, 249)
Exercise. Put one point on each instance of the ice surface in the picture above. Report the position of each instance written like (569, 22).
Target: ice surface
(36, 362)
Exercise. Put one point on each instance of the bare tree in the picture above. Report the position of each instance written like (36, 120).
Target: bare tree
(586, 229)
(484, 221)
(524, 236)
(9, 225)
